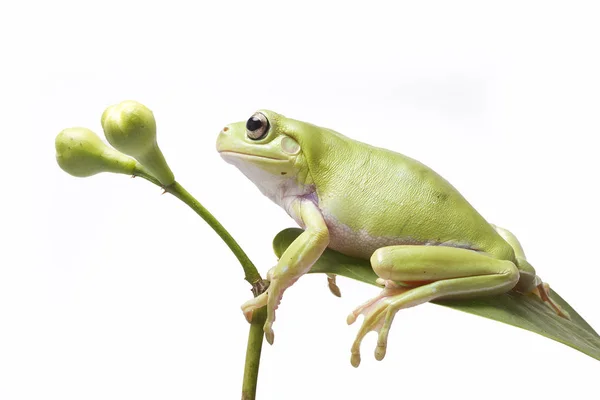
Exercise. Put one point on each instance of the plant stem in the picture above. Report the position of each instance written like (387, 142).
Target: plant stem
(252, 275)
(250, 271)
(256, 334)
(253, 349)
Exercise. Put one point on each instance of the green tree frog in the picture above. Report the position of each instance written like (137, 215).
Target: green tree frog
(422, 237)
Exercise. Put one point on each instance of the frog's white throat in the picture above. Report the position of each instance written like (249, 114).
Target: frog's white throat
(281, 189)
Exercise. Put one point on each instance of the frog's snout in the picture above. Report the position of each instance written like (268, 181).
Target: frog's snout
(222, 138)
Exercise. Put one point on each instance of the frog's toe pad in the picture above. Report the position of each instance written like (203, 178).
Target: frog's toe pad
(248, 311)
(269, 334)
(248, 315)
(380, 352)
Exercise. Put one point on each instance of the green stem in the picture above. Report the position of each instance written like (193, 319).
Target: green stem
(253, 349)
(255, 336)
(252, 275)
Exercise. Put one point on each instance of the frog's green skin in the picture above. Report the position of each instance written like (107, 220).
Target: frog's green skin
(424, 240)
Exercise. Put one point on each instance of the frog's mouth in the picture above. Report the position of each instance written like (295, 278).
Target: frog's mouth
(250, 162)
(239, 154)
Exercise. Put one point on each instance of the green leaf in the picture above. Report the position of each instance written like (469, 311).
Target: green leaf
(524, 311)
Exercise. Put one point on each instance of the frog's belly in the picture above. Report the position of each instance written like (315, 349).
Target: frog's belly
(362, 244)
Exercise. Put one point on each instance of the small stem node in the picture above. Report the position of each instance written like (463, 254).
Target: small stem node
(259, 287)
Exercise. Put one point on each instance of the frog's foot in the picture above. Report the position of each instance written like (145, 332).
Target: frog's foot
(254, 304)
(271, 299)
(377, 317)
(333, 287)
(543, 292)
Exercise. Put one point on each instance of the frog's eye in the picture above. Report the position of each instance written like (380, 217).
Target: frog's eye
(257, 126)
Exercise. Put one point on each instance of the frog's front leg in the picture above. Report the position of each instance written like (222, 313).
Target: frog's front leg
(428, 273)
(294, 262)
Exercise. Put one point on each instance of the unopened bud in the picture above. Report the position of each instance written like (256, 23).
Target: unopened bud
(130, 127)
(80, 152)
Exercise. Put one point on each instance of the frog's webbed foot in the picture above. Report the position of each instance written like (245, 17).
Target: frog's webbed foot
(254, 304)
(378, 316)
(333, 287)
(543, 292)
(271, 299)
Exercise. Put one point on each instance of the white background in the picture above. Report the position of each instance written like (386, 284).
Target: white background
(110, 291)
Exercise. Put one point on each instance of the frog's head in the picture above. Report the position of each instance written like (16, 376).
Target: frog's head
(267, 148)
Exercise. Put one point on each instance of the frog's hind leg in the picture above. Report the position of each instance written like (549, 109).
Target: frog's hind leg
(529, 281)
(427, 273)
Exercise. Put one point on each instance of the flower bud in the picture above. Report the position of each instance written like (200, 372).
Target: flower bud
(80, 152)
(130, 127)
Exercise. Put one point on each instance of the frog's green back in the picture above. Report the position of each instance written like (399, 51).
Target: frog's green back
(386, 194)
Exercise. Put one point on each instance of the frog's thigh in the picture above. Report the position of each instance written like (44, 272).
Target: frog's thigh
(442, 272)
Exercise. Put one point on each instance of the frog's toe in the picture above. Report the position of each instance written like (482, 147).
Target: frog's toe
(251, 305)
(351, 318)
(543, 292)
(382, 339)
(333, 287)
(355, 359)
(248, 311)
(269, 334)
(355, 351)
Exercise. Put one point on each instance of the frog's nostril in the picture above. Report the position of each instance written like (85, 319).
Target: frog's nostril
(225, 129)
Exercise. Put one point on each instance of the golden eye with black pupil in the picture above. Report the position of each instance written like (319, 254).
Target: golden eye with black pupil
(257, 126)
